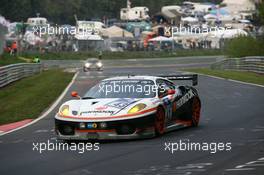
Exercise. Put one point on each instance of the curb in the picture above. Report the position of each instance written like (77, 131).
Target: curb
(10, 126)
(47, 111)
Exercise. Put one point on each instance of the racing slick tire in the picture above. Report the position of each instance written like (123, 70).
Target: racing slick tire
(196, 111)
(159, 121)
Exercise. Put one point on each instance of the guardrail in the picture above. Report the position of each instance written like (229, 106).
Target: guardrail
(14, 72)
(252, 64)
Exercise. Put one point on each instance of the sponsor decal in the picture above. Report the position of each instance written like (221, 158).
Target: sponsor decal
(155, 101)
(91, 125)
(168, 106)
(121, 103)
(166, 101)
(100, 108)
(98, 112)
(185, 98)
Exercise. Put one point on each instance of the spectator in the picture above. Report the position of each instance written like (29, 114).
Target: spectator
(36, 59)
(13, 48)
(100, 55)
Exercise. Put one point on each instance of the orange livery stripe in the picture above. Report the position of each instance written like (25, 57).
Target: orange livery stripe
(119, 116)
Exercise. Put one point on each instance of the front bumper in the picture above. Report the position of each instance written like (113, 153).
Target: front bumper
(92, 68)
(113, 130)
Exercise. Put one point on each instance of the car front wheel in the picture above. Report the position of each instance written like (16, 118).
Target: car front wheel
(196, 111)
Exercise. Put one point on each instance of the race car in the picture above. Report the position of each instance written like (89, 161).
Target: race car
(93, 64)
(129, 107)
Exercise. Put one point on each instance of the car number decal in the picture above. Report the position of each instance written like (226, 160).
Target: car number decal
(168, 108)
(121, 103)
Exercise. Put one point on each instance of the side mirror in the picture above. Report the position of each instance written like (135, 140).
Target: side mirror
(75, 94)
(171, 92)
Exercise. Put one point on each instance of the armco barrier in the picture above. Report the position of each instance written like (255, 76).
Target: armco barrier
(13, 72)
(252, 64)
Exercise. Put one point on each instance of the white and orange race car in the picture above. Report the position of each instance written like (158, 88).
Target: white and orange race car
(128, 108)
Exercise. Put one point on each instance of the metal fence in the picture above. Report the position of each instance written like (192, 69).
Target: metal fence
(252, 64)
(13, 72)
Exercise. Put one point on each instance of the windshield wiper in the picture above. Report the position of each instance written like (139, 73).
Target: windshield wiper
(85, 98)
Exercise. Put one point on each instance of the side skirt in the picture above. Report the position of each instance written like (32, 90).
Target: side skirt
(179, 124)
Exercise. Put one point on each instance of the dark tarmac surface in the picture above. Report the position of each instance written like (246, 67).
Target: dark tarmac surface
(231, 113)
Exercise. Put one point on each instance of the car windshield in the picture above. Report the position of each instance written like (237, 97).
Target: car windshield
(122, 89)
(92, 61)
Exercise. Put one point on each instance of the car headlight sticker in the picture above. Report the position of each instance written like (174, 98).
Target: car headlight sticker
(137, 108)
(64, 111)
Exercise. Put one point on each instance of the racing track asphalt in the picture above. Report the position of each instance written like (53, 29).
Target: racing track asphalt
(231, 112)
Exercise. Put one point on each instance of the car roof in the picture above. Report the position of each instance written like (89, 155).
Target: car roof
(132, 77)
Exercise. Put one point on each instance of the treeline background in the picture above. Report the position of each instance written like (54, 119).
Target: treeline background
(62, 11)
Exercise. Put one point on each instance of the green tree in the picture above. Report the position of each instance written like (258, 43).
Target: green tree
(261, 13)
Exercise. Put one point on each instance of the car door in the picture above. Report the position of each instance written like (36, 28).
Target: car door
(167, 99)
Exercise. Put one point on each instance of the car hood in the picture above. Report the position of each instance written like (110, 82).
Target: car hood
(104, 107)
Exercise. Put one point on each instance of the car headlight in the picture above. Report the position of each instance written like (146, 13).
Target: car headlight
(99, 64)
(137, 108)
(87, 65)
(64, 110)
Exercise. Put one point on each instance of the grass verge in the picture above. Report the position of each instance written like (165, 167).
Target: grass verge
(244, 46)
(248, 77)
(7, 59)
(28, 97)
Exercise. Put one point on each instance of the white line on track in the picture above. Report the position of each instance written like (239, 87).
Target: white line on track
(244, 169)
(236, 81)
(53, 138)
(249, 166)
(41, 131)
(49, 110)
(257, 130)
(17, 141)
